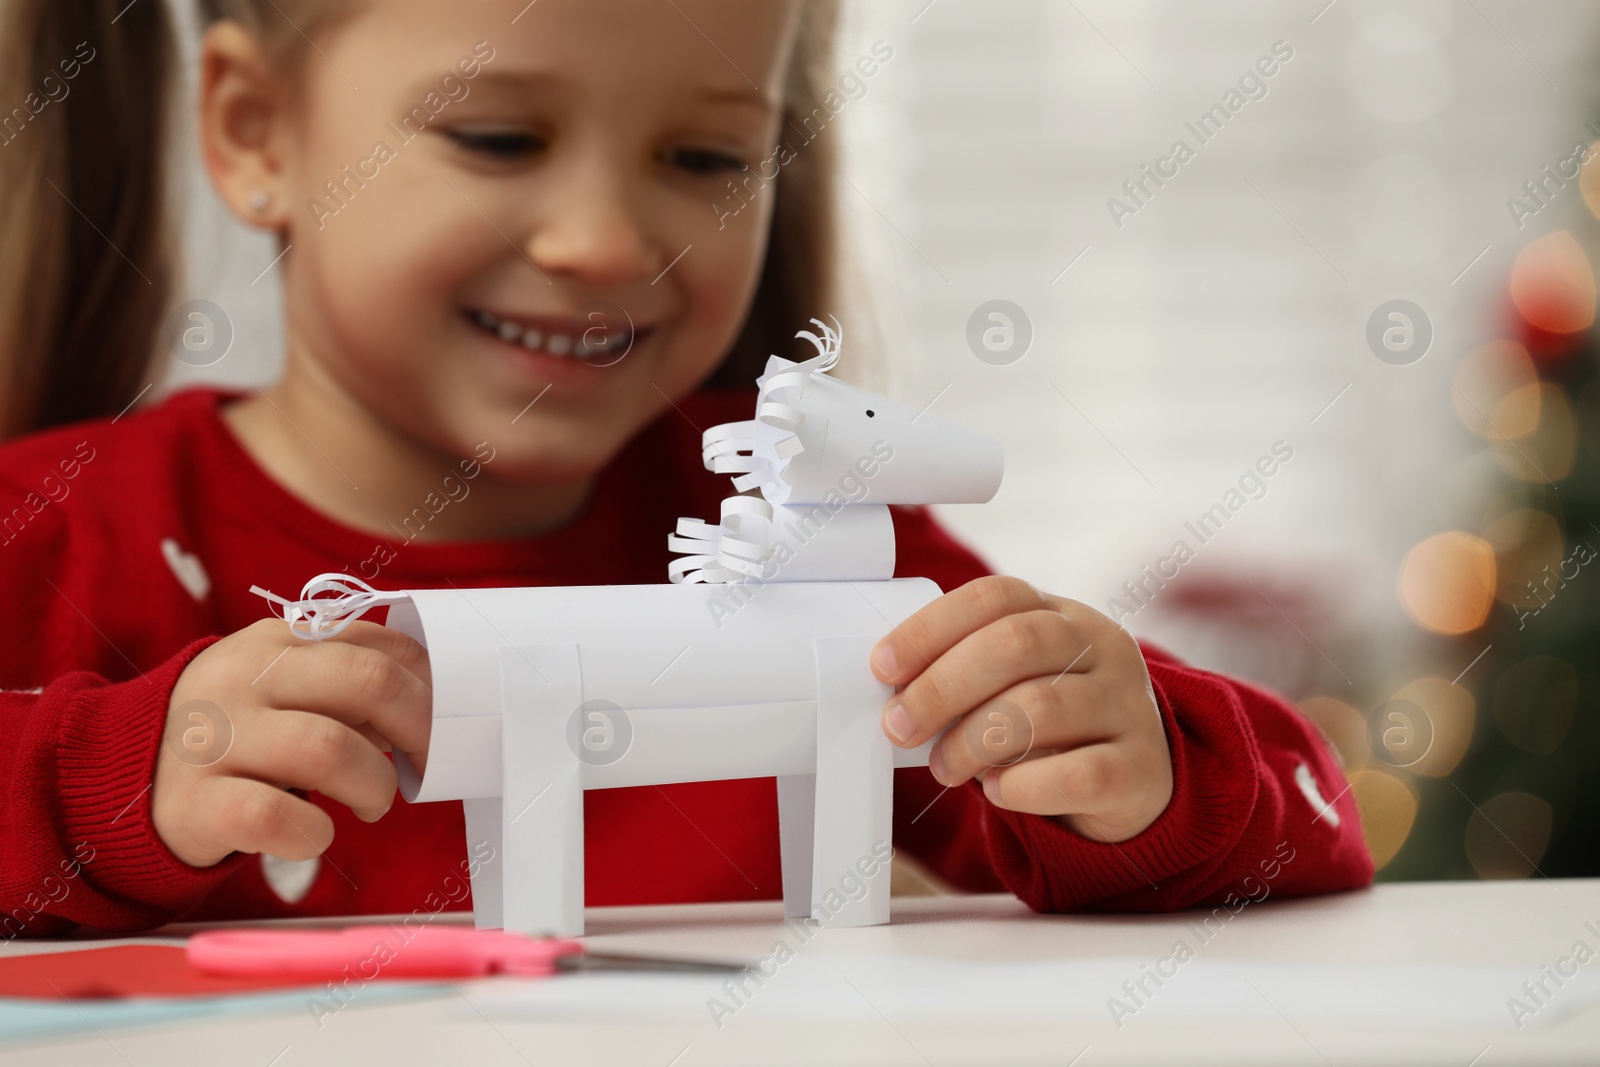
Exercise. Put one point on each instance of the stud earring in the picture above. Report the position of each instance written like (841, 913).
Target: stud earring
(259, 201)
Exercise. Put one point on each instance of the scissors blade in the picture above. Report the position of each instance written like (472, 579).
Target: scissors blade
(602, 961)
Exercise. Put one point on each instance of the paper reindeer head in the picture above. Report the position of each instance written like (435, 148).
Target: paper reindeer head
(826, 457)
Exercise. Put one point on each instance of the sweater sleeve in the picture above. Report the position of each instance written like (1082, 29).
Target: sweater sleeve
(1259, 807)
(77, 844)
(85, 681)
(1259, 804)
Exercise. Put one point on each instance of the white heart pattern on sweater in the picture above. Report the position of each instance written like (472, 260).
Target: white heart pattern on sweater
(1313, 794)
(186, 568)
(290, 879)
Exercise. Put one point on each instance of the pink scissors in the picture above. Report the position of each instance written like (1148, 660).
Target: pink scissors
(399, 952)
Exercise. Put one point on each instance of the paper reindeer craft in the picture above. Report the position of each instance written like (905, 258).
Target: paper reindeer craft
(751, 662)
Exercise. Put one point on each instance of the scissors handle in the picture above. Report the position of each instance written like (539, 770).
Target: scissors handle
(365, 952)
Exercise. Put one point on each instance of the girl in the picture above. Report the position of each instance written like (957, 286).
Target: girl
(514, 296)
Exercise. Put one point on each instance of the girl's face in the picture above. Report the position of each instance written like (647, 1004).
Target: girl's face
(481, 191)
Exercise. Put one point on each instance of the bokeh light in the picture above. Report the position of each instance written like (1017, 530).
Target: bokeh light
(1589, 180)
(1388, 809)
(1496, 391)
(1544, 456)
(1447, 583)
(1528, 547)
(1534, 702)
(1507, 835)
(1343, 726)
(1552, 285)
(1452, 712)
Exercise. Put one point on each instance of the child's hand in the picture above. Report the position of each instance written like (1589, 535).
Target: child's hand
(294, 714)
(1060, 718)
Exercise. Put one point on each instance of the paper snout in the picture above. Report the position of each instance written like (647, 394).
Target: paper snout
(868, 448)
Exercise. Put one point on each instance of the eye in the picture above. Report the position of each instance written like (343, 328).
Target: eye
(870, 413)
(497, 144)
(703, 160)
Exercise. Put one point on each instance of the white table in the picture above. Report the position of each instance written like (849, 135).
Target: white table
(1519, 926)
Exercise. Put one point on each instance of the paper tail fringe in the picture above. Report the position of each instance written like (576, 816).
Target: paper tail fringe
(328, 604)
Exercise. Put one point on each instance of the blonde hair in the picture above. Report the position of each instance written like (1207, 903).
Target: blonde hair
(87, 257)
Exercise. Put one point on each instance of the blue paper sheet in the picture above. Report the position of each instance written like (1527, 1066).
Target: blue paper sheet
(23, 1019)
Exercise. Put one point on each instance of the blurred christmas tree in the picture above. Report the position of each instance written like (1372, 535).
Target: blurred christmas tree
(1518, 786)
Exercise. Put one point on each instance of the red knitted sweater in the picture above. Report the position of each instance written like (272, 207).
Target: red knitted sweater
(125, 548)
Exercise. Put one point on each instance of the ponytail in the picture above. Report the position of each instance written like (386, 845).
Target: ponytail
(85, 260)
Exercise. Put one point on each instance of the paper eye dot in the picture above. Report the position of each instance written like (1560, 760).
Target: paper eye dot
(870, 413)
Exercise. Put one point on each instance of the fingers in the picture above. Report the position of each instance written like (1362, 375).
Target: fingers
(401, 648)
(932, 631)
(1012, 649)
(240, 815)
(1084, 781)
(310, 751)
(357, 684)
(315, 716)
(1099, 791)
(1037, 716)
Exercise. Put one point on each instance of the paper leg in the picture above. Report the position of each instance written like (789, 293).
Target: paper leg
(486, 849)
(855, 786)
(797, 811)
(541, 687)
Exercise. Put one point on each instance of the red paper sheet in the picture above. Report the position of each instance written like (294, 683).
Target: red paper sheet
(120, 971)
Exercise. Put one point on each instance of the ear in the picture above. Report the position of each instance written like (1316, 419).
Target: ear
(242, 117)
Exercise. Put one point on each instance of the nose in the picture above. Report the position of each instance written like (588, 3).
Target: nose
(592, 228)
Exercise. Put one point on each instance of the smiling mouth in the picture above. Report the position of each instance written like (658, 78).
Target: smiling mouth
(587, 343)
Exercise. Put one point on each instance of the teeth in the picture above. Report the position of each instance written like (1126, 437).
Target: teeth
(556, 344)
